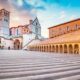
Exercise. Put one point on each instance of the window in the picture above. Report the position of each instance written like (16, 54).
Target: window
(17, 31)
(67, 28)
(6, 20)
(36, 24)
(10, 32)
(36, 30)
(76, 27)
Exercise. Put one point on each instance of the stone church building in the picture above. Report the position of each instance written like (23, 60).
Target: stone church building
(17, 37)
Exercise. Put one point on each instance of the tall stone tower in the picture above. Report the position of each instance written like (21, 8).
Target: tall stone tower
(4, 23)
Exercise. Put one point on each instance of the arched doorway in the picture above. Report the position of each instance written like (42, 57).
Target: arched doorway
(17, 44)
(49, 48)
(70, 48)
(76, 49)
(40, 48)
(44, 48)
(61, 49)
(57, 48)
(65, 48)
(53, 49)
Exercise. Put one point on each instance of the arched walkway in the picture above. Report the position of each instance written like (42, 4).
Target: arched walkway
(57, 48)
(44, 48)
(53, 48)
(40, 48)
(70, 48)
(65, 48)
(37, 48)
(17, 44)
(76, 49)
(49, 48)
(61, 49)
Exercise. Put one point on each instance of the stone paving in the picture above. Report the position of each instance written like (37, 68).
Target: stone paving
(30, 65)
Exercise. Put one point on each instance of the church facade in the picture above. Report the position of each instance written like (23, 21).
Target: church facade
(63, 38)
(17, 37)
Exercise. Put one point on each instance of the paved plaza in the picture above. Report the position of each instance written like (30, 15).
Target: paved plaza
(29, 65)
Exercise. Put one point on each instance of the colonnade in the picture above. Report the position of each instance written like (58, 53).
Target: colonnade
(72, 48)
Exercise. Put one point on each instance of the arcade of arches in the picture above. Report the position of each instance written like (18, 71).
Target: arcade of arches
(73, 48)
(63, 38)
(17, 44)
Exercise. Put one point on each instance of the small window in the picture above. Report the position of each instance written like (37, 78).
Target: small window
(10, 32)
(67, 28)
(36, 24)
(6, 20)
(76, 27)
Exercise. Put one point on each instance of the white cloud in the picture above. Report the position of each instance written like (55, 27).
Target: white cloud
(73, 16)
(62, 15)
(20, 2)
(18, 17)
(34, 2)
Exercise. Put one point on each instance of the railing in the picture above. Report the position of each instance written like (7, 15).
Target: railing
(27, 43)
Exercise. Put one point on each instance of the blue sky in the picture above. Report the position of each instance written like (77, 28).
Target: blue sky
(49, 12)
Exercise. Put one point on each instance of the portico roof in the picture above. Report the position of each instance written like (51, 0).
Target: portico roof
(66, 38)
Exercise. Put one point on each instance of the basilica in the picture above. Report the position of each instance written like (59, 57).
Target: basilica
(63, 38)
(17, 37)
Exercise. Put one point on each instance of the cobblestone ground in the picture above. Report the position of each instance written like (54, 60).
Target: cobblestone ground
(27, 65)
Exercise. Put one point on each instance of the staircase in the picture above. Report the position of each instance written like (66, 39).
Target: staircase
(27, 43)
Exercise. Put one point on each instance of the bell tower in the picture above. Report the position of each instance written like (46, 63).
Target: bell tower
(4, 22)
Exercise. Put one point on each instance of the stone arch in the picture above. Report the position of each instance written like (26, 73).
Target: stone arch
(36, 48)
(76, 49)
(65, 48)
(70, 48)
(53, 48)
(39, 48)
(61, 48)
(57, 48)
(33, 48)
(44, 48)
(17, 44)
(49, 48)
